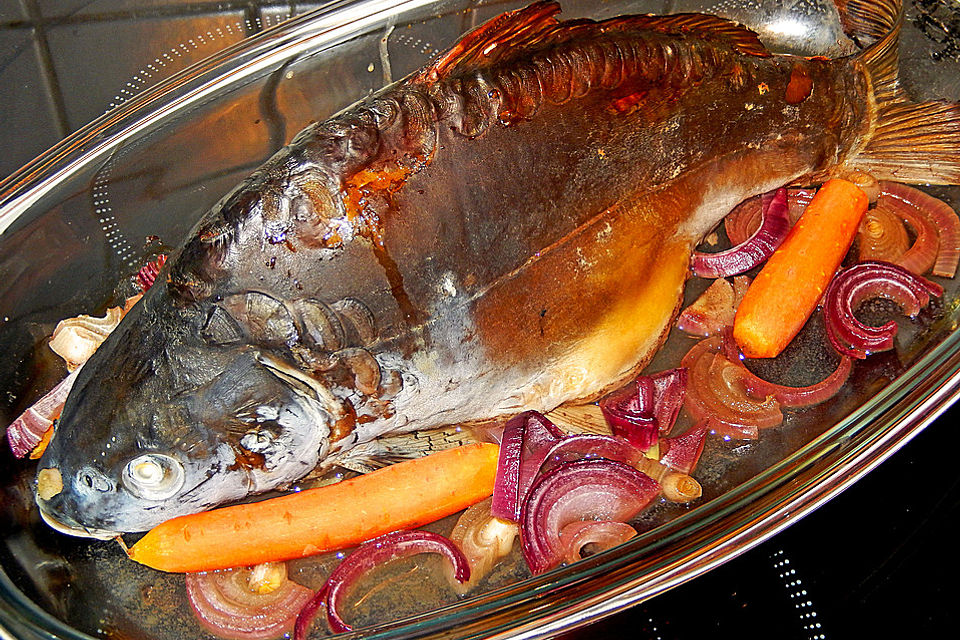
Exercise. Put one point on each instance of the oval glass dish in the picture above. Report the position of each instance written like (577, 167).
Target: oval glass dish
(81, 218)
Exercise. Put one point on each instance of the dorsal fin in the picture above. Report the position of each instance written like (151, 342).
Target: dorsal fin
(515, 34)
(487, 43)
(700, 25)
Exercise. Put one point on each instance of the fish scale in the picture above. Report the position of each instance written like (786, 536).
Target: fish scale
(508, 228)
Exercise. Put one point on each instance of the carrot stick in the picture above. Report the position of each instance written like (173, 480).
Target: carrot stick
(788, 288)
(404, 495)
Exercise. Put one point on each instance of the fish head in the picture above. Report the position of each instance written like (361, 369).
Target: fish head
(162, 423)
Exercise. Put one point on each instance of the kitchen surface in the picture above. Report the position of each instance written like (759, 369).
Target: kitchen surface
(880, 560)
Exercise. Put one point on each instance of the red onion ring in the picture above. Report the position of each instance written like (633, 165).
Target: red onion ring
(717, 393)
(757, 248)
(922, 254)
(785, 395)
(589, 445)
(713, 310)
(379, 551)
(308, 613)
(744, 220)
(583, 490)
(148, 273)
(602, 534)
(227, 608)
(938, 214)
(868, 280)
(526, 439)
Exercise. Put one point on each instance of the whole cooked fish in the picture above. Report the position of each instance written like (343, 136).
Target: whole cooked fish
(507, 229)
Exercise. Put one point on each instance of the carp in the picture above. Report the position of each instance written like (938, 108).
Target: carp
(508, 228)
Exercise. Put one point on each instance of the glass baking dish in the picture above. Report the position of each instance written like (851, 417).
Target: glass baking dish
(75, 222)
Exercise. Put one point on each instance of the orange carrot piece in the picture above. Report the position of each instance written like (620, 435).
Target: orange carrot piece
(402, 496)
(788, 288)
(42, 445)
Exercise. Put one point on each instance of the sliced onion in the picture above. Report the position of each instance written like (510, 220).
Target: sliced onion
(669, 390)
(757, 248)
(785, 395)
(713, 310)
(308, 613)
(717, 393)
(650, 407)
(25, 433)
(629, 412)
(526, 439)
(933, 212)
(379, 551)
(578, 538)
(148, 273)
(682, 452)
(590, 445)
(680, 487)
(484, 540)
(867, 280)
(582, 490)
(922, 254)
(744, 220)
(882, 236)
(225, 605)
(75, 339)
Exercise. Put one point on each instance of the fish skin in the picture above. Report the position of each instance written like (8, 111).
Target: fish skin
(501, 231)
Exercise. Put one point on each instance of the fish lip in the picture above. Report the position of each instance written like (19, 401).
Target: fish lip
(79, 532)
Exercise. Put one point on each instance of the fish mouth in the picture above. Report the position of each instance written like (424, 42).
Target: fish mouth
(77, 531)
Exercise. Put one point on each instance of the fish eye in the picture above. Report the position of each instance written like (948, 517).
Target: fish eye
(153, 476)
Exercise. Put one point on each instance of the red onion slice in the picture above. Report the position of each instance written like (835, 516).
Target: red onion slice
(379, 551)
(589, 445)
(743, 257)
(868, 280)
(713, 310)
(309, 611)
(669, 391)
(148, 273)
(881, 236)
(922, 254)
(681, 453)
(744, 220)
(227, 608)
(629, 412)
(641, 412)
(526, 439)
(785, 395)
(583, 490)
(597, 535)
(484, 541)
(717, 393)
(940, 216)
(25, 432)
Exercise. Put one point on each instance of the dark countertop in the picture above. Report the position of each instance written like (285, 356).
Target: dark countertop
(880, 559)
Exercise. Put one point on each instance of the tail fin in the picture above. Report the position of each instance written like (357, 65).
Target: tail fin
(916, 142)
